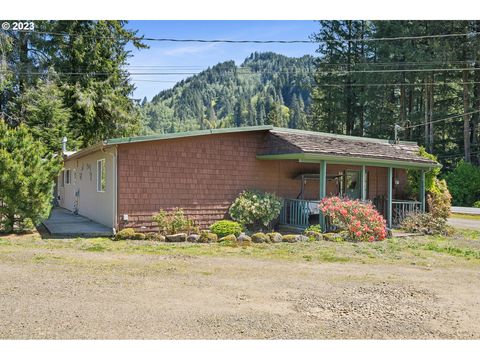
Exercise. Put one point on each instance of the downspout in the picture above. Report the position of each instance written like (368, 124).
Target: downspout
(115, 182)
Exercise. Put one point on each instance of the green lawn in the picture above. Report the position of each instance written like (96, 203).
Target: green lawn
(463, 247)
(466, 216)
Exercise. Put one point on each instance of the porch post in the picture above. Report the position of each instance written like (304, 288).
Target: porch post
(363, 178)
(390, 194)
(422, 191)
(323, 189)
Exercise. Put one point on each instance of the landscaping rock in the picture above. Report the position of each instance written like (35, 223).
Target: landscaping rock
(207, 237)
(155, 237)
(244, 240)
(294, 238)
(181, 237)
(260, 238)
(229, 240)
(314, 235)
(193, 238)
(275, 237)
(337, 237)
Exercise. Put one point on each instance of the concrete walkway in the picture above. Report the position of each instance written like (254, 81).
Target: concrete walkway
(459, 223)
(65, 223)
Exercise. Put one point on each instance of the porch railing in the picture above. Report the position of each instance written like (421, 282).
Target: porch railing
(301, 213)
(402, 208)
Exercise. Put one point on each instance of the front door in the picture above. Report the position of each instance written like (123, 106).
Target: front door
(352, 184)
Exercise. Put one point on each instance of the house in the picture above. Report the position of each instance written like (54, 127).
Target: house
(122, 182)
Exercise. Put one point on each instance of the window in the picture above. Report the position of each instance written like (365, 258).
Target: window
(67, 177)
(101, 175)
(62, 180)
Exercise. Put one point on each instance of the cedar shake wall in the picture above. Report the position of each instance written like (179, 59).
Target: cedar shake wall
(204, 174)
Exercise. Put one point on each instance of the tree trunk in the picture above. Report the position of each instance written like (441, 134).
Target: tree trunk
(430, 115)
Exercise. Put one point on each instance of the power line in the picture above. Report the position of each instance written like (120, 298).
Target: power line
(444, 119)
(342, 72)
(143, 38)
(457, 155)
(399, 84)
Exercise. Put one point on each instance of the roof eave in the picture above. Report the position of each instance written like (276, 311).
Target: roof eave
(336, 159)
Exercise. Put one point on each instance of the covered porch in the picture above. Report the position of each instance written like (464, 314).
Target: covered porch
(356, 168)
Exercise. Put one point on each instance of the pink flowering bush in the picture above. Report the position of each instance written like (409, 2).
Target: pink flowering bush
(360, 219)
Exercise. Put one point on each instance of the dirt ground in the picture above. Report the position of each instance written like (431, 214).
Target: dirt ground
(64, 293)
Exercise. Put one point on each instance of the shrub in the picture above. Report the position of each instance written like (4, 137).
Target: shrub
(172, 222)
(27, 174)
(413, 176)
(255, 209)
(125, 234)
(439, 200)
(463, 184)
(226, 227)
(426, 224)
(360, 219)
(314, 228)
(476, 204)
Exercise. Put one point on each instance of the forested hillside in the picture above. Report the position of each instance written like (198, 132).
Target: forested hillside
(266, 88)
(421, 75)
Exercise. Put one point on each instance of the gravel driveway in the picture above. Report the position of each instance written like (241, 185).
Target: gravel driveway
(61, 294)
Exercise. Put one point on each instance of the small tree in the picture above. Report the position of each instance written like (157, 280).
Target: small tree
(26, 179)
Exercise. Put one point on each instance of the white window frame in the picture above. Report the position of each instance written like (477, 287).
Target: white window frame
(101, 164)
(67, 179)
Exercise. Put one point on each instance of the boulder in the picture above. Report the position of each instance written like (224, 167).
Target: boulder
(207, 237)
(337, 237)
(314, 235)
(260, 238)
(292, 238)
(244, 240)
(193, 238)
(275, 237)
(229, 240)
(155, 237)
(181, 237)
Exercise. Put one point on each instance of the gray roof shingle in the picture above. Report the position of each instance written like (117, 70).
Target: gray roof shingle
(286, 141)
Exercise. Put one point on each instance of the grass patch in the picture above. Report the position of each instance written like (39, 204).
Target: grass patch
(465, 216)
(463, 246)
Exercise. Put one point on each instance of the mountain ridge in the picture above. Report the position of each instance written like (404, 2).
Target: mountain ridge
(266, 88)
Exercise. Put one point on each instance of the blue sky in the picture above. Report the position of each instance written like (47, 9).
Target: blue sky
(192, 57)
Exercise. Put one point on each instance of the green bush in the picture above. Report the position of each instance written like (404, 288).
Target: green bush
(476, 204)
(226, 227)
(463, 183)
(413, 176)
(314, 228)
(426, 224)
(439, 200)
(125, 234)
(256, 209)
(173, 222)
(27, 173)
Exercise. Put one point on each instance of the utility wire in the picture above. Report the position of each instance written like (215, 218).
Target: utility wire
(143, 38)
(444, 119)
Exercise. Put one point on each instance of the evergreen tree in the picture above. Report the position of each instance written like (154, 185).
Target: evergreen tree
(43, 110)
(26, 178)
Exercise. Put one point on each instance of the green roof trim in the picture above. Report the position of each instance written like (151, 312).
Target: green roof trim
(185, 134)
(349, 160)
